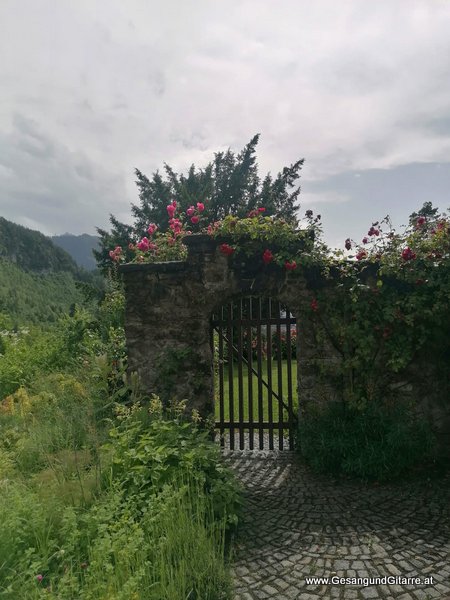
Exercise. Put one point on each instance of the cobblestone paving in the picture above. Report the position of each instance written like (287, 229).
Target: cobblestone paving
(296, 524)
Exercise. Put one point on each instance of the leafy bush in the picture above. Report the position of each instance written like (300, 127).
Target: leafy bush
(376, 442)
(151, 449)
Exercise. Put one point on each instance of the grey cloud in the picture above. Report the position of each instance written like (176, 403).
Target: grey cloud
(349, 86)
(60, 191)
(351, 201)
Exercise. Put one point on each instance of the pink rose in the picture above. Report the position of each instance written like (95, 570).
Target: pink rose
(195, 219)
(200, 206)
(143, 244)
(152, 228)
(190, 211)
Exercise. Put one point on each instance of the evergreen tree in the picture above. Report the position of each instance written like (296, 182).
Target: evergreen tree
(228, 184)
(427, 211)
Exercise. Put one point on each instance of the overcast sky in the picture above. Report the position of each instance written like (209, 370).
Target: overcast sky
(92, 89)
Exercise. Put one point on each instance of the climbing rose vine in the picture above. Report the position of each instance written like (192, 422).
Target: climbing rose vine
(271, 240)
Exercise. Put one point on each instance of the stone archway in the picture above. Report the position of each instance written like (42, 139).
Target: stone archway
(168, 308)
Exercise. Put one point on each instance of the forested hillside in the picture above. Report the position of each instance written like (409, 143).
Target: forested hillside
(39, 281)
(32, 251)
(28, 297)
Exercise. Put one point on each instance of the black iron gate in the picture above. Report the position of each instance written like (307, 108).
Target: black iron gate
(255, 374)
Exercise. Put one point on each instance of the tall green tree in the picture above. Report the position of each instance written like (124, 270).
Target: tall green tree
(230, 183)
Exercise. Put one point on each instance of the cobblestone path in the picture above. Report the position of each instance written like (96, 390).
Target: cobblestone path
(296, 525)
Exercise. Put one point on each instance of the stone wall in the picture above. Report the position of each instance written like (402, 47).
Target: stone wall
(168, 312)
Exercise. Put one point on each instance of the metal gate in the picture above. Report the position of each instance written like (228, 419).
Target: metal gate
(254, 343)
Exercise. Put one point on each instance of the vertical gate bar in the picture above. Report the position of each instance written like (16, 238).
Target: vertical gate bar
(280, 379)
(250, 372)
(213, 354)
(240, 378)
(289, 378)
(269, 372)
(221, 381)
(230, 372)
(260, 374)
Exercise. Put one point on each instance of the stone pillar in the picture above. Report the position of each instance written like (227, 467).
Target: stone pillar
(167, 332)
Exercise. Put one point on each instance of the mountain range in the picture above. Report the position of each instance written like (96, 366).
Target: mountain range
(79, 247)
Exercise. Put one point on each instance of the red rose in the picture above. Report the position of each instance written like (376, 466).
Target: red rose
(408, 254)
(361, 254)
(226, 249)
(267, 256)
(290, 265)
(314, 305)
(195, 219)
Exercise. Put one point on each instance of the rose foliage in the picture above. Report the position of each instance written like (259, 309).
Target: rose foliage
(380, 303)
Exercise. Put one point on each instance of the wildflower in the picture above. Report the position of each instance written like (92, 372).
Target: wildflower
(226, 249)
(152, 228)
(290, 265)
(408, 254)
(200, 206)
(190, 211)
(348, 244)
(195, 219)
(267, 256)
(39, 577)
(84, 565)
(314, 305)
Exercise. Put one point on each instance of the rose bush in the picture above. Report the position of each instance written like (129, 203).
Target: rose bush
(272, 240)
(390, 295)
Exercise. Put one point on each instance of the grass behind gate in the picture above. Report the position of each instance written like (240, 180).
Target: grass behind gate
(265, 393)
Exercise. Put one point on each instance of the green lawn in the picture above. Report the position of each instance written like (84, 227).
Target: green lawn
(265, 394)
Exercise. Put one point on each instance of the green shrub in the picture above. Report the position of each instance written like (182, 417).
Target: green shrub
(374, 443)
(150, 449)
